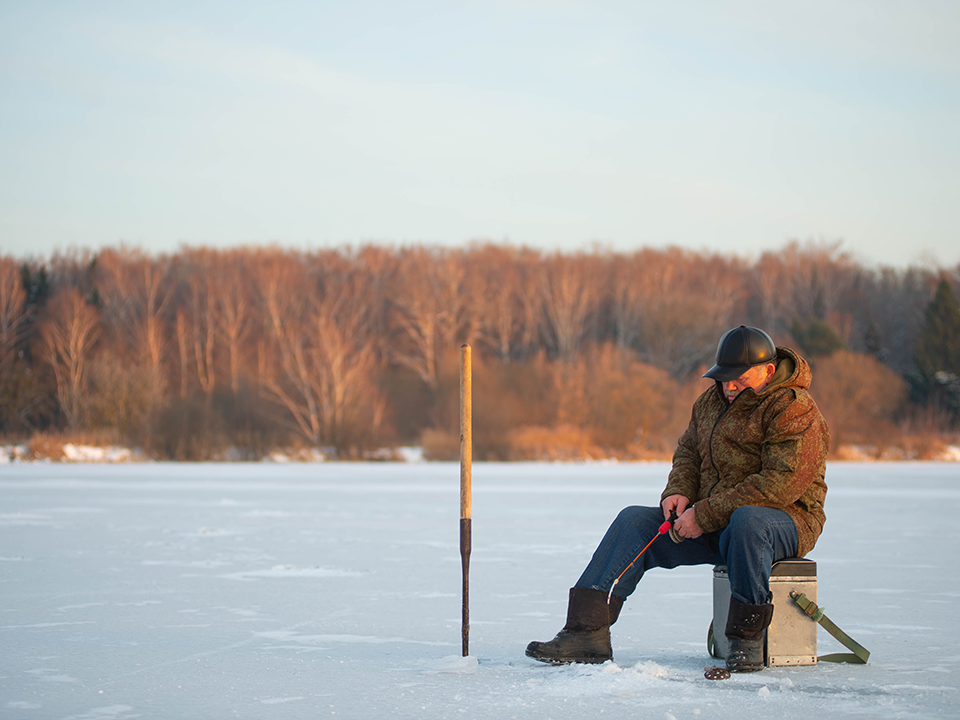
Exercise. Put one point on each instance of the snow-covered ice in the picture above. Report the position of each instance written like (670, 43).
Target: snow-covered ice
(331, 589)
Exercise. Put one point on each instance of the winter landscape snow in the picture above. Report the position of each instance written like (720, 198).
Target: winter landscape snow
(314, 590)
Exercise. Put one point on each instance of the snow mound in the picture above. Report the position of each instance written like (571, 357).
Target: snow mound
(610, 679)
(13, 453)
(410, 454)
(951, 454)
(297, 456)
(90, 453)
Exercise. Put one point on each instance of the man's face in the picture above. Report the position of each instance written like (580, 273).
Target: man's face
(757, 378)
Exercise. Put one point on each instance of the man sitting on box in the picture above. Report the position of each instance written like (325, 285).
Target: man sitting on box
(747, 487)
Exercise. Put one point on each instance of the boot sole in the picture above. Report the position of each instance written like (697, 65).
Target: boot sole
(571, 661)
(551, 659)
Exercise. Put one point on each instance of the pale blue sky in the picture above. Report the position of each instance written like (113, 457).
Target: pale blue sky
(731, 126)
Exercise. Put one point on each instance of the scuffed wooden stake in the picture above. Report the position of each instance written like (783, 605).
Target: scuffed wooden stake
(466, 462)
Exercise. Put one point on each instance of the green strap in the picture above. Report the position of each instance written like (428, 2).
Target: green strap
(860, 654)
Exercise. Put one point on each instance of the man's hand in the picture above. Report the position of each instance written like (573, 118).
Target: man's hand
(674, 503)
(686, 525)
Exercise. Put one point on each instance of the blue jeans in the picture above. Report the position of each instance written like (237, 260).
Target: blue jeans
(755, 539)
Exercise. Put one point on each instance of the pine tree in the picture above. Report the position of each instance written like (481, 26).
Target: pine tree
(816, 338)
(937, 355)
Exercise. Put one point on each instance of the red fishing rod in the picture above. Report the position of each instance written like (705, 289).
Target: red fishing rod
(665, 527)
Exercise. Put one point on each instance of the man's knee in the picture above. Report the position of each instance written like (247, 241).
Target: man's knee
(639, 515)
(636, 519)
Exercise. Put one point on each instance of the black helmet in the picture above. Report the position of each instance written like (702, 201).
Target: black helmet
(739, 350)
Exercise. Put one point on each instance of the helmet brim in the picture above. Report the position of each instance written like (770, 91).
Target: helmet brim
(726, 373)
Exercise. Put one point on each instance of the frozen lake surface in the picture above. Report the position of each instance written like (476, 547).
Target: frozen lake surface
(306, 591)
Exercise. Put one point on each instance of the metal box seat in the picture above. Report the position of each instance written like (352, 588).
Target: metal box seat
(791, 638)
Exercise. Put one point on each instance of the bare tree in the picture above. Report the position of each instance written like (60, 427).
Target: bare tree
(802, 283)
(345, 356)
(688, 300)
(429, 309)
(773, 290)
(13, 316)
(505, 303)
(381, 267)
(281, 285)
(626, 298)
(321, 330)
(69, 333)
(232, 303)
(183, 346)
(136, 290)
(570, 290)
(196, 325)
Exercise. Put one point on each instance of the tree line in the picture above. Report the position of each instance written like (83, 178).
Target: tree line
(576, 354)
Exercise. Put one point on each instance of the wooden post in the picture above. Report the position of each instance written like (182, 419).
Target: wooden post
(466, 463)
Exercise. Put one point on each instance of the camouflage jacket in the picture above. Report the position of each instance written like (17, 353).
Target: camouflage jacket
(767, 449)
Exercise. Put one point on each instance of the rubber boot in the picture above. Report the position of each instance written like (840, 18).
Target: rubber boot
(586, 636)
(745, 629)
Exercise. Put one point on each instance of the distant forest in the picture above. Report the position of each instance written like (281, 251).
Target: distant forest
(208, 353)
